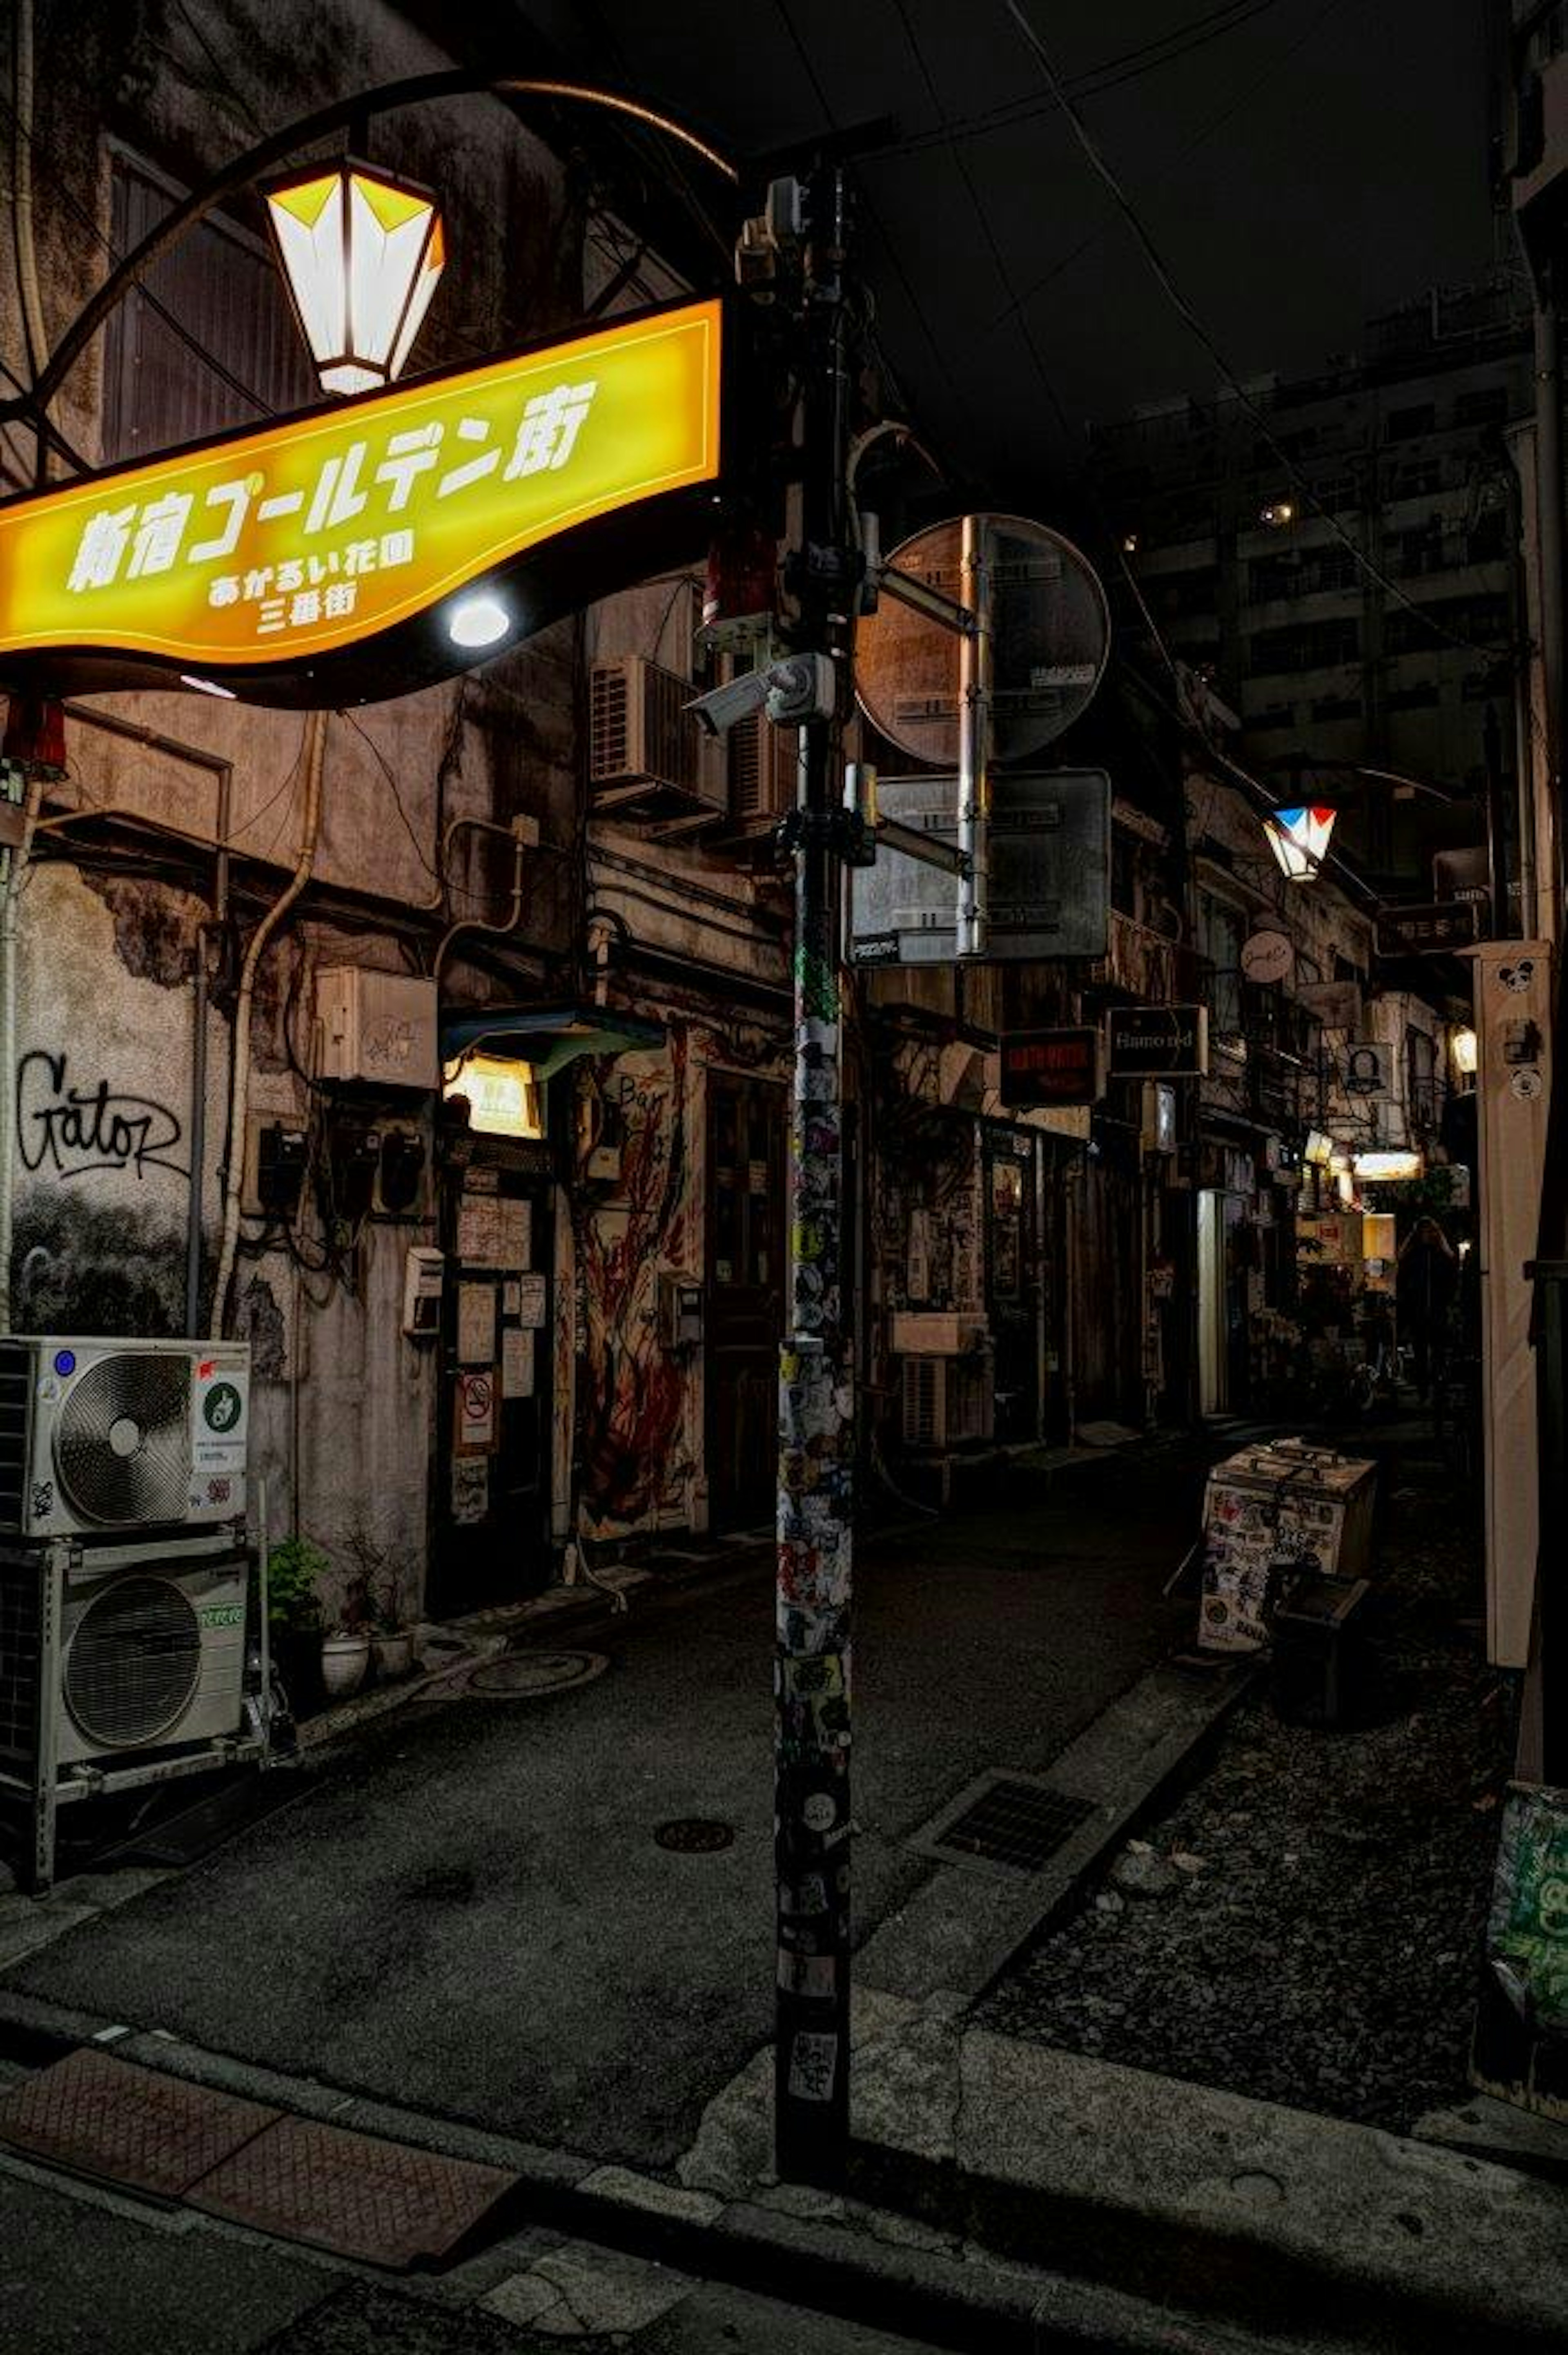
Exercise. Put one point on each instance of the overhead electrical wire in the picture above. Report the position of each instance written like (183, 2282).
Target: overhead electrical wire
(889, 243)
(1233, 106)
(1199, 32)
(1198, 328)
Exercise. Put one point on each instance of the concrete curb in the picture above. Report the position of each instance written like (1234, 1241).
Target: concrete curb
(1005, 2198)
(837, 2255)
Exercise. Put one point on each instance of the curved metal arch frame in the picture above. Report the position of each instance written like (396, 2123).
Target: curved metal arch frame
(417, 90)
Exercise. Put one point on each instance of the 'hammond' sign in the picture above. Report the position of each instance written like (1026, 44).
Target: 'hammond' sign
(267, 561)
(1166, 1043)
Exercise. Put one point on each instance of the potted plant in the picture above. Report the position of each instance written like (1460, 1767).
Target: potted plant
(372, 1598)
(391, 1639)
(294, 1569)
(346, 1646)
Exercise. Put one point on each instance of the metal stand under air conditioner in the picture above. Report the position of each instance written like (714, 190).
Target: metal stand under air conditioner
(36, 1718)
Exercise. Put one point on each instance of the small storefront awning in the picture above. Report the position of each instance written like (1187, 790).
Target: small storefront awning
(547, 1037)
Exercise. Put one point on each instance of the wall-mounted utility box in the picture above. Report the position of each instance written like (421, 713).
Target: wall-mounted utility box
(377, 1028)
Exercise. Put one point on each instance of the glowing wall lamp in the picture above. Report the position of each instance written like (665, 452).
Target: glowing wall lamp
(362, 252)
(1464, 1051)
(1299, 839)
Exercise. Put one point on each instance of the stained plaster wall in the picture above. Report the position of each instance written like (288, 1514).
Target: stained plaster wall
(344, 1402)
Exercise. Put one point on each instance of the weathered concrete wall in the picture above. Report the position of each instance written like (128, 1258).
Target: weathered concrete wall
(344, 1402)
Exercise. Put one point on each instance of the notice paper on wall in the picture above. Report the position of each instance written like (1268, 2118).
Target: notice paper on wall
(516, 1363)
(532, 1294)
(476, 1324)
(494, 1231)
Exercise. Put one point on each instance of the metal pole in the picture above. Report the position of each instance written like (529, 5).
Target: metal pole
(816, 1412)
(975, 739)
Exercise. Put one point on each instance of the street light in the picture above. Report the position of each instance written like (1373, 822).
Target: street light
(1299, 839)
(362, 251)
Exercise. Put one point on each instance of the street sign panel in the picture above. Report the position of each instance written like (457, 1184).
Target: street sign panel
(1428, 931)
(1158, 1043)
(1052, 1067)
(1050, 872)
(1051, 638)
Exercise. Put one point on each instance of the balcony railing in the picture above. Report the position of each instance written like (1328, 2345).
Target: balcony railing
(1144, 965)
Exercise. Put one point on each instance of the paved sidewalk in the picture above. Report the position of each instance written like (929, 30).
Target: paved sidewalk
(462, 1934)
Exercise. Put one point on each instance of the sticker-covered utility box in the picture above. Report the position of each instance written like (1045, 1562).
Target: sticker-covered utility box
(1272, 1516)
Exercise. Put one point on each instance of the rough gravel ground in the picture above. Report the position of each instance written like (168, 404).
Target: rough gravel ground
(1304, 1924)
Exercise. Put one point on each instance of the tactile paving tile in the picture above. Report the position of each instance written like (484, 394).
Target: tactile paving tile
(355, 2194)
(125, 2125)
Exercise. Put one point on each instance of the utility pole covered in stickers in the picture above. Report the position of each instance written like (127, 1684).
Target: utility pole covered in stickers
(811, 1669)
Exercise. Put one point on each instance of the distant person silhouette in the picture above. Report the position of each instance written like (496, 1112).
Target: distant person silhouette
(1424, 1286)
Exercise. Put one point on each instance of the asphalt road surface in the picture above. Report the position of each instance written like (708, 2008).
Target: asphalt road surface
(466, 1912)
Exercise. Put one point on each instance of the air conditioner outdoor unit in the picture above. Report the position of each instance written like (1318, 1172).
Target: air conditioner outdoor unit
(764, 762)
(152, 1648)
(645, 747)
(946, 1401)
(99, 1438)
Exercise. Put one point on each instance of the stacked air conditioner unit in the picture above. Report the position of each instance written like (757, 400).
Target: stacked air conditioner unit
(647, 756)
(948, 1389)
(133, 1603)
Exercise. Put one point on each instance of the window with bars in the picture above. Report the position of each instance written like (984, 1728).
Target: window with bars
(206, 341)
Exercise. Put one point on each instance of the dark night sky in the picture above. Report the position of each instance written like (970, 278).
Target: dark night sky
(1301, 166)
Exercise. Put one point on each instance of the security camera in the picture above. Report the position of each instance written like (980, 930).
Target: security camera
(800, 687)
(723, 707)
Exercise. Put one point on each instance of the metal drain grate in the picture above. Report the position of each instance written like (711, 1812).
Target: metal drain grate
(696, 1835)
(382, 2202)
(1013, 1822)
(99, 2116)
(520, 1676)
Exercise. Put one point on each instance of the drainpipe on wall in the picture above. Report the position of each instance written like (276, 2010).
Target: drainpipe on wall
(240, 1067)
(10, 898)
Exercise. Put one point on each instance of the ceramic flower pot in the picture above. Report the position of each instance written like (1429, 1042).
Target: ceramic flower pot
(394, 1654)
(345, 1660)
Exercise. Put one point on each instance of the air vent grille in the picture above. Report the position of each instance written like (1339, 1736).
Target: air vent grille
(16, 1386)
(133, 1663)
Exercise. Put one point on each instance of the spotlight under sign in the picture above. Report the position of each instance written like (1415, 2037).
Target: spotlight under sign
(353, 552)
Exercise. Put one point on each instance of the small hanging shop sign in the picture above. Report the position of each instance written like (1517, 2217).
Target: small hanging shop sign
(349, 552)
(1052, 1067)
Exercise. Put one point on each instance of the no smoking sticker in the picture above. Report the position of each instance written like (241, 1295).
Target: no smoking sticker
(474, 1431)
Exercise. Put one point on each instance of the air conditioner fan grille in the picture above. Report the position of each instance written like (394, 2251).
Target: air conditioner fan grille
(133, 1663)
(122, 1442)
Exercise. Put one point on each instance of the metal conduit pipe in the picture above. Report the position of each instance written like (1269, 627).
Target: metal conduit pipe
(514, 916)
(33, 328)
(10, 900)
(239, 1068)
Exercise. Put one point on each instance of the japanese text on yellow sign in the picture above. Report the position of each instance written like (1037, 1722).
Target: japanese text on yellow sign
(284, 544)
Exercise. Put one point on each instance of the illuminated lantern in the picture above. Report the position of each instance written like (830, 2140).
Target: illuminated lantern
(1299, 839)
(362, 252)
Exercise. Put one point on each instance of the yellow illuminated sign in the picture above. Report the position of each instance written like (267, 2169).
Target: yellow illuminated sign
(502, 1098)
(278, 546)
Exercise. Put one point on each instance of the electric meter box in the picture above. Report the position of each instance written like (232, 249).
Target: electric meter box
(680, 1310)
(424, 1273)
(377, 1028)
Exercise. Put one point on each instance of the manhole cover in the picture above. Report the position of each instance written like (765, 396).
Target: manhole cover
(1014, 1821)
(519, 1676)
(696, 1835)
